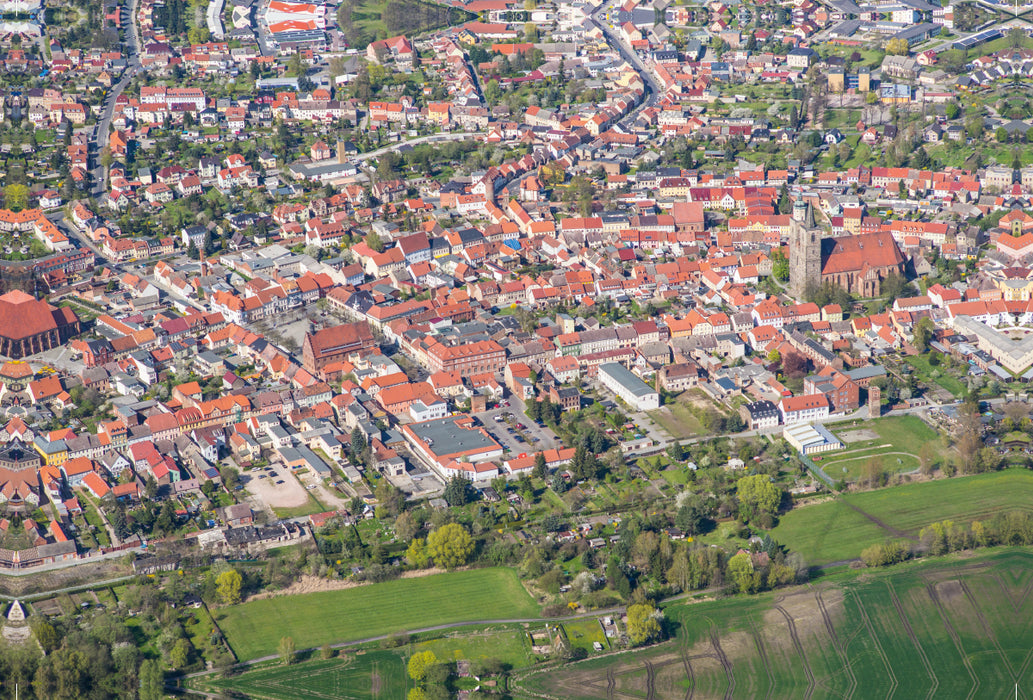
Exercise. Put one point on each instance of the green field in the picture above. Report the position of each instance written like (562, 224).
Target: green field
(833, 531)
(677, 419)
(315, 619)
(896, 442)
(921, 365)
(944, 628)
(379, 673)
(373, 674)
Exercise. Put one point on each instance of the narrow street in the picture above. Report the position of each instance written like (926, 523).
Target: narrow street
(100, 132)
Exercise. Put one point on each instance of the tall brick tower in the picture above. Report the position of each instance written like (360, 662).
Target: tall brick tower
(804, 249)
(874, 401)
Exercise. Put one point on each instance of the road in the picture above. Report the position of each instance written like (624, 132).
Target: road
(432, 138)
(100, 133)
(652, 88)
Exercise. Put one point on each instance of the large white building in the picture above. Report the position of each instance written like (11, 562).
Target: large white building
(628, 387)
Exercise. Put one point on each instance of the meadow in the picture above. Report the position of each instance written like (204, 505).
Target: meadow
(937, 628)
(254, 629)
(838, 530)
(364, 676)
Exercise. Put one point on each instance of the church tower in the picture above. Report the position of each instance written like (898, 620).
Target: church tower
(804, 249)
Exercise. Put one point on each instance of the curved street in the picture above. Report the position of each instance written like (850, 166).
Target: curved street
(99, 140)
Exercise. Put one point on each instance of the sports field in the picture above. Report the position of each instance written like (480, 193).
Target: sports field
(894, 442)
(254, 629)
(942, 628)
(838, 530)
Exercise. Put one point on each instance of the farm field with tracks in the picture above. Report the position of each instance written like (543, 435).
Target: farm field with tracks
(942, 628)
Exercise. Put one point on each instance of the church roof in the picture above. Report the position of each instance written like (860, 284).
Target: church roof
(22, 316)
(852, 253)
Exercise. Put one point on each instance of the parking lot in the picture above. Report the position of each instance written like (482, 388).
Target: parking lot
(274, 487)
(529, 439)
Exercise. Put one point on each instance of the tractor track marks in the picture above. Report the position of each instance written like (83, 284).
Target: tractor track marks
(867, 621)
(935, 596)
(650, 681)
(725, 664)
(799, 647)
(840, 649)
(914, 639)
(987, 629)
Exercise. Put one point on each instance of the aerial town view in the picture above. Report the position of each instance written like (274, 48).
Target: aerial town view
(529, 349)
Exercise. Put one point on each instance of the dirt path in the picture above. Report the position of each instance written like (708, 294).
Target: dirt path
(892, 530)
(314, 584)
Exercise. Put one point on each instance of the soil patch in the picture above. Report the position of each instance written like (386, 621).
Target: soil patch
(858, 435)
(314, 584)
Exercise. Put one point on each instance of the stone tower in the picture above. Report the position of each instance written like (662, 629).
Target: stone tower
(874, 402)
(804, 249)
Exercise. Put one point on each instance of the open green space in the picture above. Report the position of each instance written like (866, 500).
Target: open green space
(368, 20)
(937, 628)
(677, 419)
(935, 375)
(509, 645)
(835, 531)
(310, 507)
(852, 467)
(254, 629)
(371, 674)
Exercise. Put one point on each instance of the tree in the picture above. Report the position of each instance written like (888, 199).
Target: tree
(390, 497)
(288, 652)
(897, 47)
(180, 654)
(374, 242)
(358, 441)
(689, 517)
(458, 491)
(872, 473)
(230, 477)
(540, 467)
(740, 570)
(951, 110)
(644, 623)
(923, 333)
(16, 196)
(420, 663)
(228, 585)
(757, 496)
(46, 636)
(417, 553)
(450, 545)
(152, 680)
(780, 265)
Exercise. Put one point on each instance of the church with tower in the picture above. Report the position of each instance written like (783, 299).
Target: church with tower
(858, 264)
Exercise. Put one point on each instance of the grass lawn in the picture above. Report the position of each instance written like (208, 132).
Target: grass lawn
(362, 676)
(852, 468)
(584, 633)
(833, 531)
(901, 433)
(944, 627)
(509, 645)
(925, 372)
(357, 613)
(310, 507)
(677, 420)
